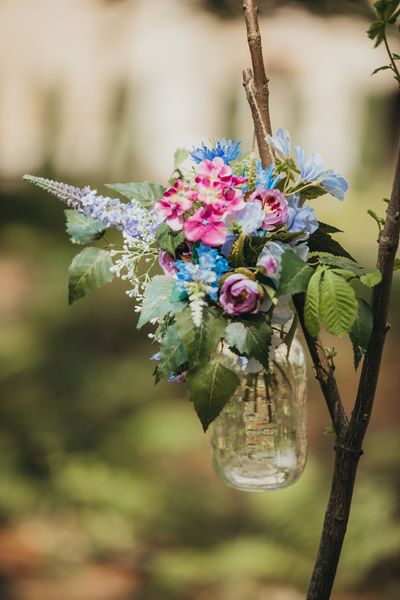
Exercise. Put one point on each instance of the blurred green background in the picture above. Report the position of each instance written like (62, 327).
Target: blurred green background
(106, 486)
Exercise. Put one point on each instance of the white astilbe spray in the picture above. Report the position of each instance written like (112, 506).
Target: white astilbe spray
(197, 304)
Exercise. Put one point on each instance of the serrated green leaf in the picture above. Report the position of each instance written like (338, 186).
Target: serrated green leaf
(168, 239)
(200, 342)
(330, 229)
(172, 353)
(251, 338)
(338, 304)
(144, 192)
(319, 241)
(210, 388)
(371, 279)
(312, 304)
(342, 263)
(294, 274)
(89, 270)
(157, 300)
(82, 228)
(361, 331)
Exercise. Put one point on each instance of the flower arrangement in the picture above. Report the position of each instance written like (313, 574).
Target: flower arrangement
(234, 241)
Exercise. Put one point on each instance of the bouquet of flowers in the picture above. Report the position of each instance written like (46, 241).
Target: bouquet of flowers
(234, 241)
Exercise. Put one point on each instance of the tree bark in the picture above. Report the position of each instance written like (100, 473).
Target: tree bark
(349, 434)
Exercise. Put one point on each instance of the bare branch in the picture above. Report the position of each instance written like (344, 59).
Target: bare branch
(256, 82)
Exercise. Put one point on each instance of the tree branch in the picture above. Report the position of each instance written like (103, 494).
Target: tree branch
(256, 83)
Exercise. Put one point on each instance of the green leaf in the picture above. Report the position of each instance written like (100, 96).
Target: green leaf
(342, 263)
(371, 279)
(82, 228)
(319, 241)
(251, 338)
(383, 68)
(294, 275)
(312, 304)
(172, 353)
(144, 192)
(180, 156)
(89, 270)
(157, 300)
(168, 239)
(325, 228)
(396, 266)
(361, 331)
(210, 388)
(200, 342)
(338, 304)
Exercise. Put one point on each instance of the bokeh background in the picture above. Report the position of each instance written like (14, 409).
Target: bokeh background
(106, 485)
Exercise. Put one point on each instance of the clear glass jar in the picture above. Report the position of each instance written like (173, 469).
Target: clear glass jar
(259, 440)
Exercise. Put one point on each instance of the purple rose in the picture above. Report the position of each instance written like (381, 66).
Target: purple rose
(240, 294)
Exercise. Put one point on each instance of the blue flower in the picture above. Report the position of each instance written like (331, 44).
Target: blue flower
(206, 272)
(280, 143)
(228, 150)
(301, 218)
(313, 170)
(266, 178)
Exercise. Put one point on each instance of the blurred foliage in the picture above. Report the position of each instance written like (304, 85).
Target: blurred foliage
(232, 8)
(119, 471)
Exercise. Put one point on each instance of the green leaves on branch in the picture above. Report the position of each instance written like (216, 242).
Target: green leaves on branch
(89, 270)
(157, 300)
(330, 301)
(168, 239)
(388, 12)
(210, 388)
(200, 342)
(295, 274)
(361, 331)
(251, 338)
(83, 229)
(144, 193)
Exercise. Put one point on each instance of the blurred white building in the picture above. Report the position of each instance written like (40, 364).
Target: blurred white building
(101, 89)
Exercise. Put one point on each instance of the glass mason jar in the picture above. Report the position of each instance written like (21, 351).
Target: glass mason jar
(259, 440)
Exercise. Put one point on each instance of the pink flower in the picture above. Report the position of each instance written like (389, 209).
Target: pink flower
(206, 226)
(167, 263)
(221, 200)
(216, 172)
(269, 264)
(239, 294)
(175, 202)
(274, 205)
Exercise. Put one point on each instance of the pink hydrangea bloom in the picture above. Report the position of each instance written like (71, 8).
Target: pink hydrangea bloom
(175, 202)
(216, 172)
(206, 226)
(274, 205)
(221, 200)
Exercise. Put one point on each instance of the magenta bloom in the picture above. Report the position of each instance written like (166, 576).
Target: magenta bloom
(274, 205)
(175, 202)
(216, 172)
(206, 226)
(239, 294)
(167, 263)
(221, 200)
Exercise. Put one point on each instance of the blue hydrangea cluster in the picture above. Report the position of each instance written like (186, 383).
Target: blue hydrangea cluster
(207, 271)
(228, 150)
